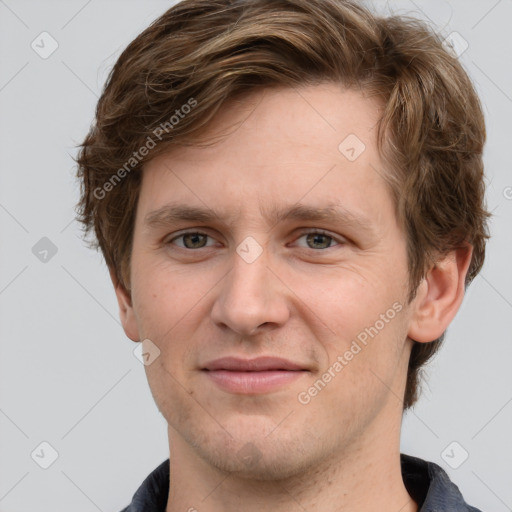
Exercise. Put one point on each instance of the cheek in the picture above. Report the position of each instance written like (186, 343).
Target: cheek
(163, 295)
(365, 316)
(360, 374)
(171, 307)
(348, 299)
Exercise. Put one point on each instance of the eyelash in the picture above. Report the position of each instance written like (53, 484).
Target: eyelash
(301, 234)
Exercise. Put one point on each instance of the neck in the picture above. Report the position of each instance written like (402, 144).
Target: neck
(366, 477)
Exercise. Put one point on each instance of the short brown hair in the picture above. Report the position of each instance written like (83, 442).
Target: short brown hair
(202, 53)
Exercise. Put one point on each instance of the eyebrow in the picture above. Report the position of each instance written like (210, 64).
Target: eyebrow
(173, 213)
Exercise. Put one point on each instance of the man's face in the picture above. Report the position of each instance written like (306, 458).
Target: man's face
(250, 285)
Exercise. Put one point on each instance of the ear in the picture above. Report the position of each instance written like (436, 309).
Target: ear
(440, 295)
(126, 312)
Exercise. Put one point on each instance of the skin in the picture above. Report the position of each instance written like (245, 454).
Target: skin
(305, 298)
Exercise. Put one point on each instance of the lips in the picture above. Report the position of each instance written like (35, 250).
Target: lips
(259, 364)
(253, 376)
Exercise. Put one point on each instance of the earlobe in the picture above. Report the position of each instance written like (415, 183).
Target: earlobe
(440, 295)
(126, 312)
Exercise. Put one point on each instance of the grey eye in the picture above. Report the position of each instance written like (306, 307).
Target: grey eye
(191, 240)
(318, 240)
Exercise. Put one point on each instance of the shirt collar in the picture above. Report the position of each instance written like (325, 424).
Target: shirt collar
(426, 482)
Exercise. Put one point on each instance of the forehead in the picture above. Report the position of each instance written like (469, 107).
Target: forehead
(311, 145)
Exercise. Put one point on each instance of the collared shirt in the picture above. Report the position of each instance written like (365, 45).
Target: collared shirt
(426, 482)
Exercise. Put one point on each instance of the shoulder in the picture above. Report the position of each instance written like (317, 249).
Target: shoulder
(152, 494)
(430, 486)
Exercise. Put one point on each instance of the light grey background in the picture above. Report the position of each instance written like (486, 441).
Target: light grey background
(67, 372)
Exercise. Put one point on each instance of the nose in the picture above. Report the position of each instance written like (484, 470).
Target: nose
(252, 298)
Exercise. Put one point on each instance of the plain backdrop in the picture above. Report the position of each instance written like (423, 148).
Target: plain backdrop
(68, 375)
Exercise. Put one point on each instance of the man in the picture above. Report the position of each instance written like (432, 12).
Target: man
(289, 196)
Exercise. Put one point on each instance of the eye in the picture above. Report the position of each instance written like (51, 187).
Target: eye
(191, 240)
(318, 239)
(315, 239)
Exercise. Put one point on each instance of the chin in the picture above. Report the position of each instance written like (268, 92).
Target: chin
(267, 467)
(260, 458)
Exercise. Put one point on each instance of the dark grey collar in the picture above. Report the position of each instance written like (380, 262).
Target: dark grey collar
(426, 482)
